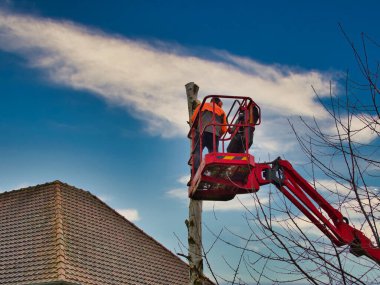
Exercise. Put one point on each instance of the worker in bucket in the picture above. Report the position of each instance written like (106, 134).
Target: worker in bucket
(243, 136)
(211, 123)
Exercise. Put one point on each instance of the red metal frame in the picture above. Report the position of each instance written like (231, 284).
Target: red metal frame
(221, 176)
(239, 103)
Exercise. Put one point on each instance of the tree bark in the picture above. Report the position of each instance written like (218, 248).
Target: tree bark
(194, 223)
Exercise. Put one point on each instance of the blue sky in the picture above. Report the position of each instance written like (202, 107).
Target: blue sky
(92, 92)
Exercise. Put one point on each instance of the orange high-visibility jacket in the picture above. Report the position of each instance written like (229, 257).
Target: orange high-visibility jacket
(207, 116)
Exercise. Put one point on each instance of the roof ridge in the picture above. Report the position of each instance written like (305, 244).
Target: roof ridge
(33, 187)
(117, 213)
(60, 239)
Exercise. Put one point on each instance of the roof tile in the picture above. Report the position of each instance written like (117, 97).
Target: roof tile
(55, 232)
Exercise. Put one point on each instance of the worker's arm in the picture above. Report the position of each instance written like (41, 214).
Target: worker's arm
(194, 116)
(224, 127)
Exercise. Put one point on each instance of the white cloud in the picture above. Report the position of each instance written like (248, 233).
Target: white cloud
(105, 198)
(130, 214)
(239, 203)
(324, 186)
(148, 78)
(178, 193)
(184, 179)
(363, 128)
(300, 221)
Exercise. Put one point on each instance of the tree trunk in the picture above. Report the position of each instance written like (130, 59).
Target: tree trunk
(194, 223)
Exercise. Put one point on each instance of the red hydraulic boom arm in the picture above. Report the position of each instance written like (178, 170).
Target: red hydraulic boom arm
(223, 175)
(302, 195)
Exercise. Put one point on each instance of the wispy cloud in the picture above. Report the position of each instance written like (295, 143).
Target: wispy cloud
(238, 204)
(183, 180)
(363, 128)
(105, 198)
(178, 193)
(130, 214)
(147, 78)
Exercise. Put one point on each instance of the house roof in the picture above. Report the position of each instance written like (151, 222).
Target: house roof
(55, 232)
